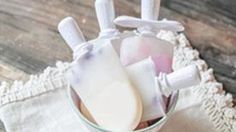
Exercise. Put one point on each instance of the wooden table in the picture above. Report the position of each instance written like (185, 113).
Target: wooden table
(29, 40)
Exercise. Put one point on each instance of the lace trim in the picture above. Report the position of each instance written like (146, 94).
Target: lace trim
(216, 103)
(51, 79)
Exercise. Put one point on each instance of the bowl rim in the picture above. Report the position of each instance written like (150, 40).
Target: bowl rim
(172, 107)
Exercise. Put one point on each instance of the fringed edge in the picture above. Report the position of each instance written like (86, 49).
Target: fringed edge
(51, 79)
(217, 104)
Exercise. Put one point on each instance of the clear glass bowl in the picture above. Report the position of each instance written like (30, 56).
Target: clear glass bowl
(75, 104)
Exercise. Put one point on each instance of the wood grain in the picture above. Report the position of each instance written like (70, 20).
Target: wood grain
(212, 31)
(9, 73)
(214, 10)
(29, 40)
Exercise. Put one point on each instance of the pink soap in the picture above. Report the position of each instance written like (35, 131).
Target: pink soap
(137, 48)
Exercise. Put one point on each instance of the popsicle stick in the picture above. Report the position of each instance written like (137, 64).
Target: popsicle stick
(183, 78)
(148, 23)
(150, 9)
(71, 32)
(132, 22)
(105, 15)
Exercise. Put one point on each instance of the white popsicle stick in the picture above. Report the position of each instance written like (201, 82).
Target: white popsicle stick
(150, 9)
(148, 24)
(149, 12)
(183, 78)
(71, 32)
(105, 15)
(133, 22)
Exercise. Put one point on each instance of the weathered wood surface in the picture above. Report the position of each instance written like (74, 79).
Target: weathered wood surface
(210, 27)
(214, 10)
(29, 40)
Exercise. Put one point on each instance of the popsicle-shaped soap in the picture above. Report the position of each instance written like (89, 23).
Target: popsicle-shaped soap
(105, 89)
(143, 76)
(137, 48)
(145, 43)
(151, 87)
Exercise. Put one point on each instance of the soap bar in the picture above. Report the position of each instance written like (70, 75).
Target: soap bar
(137, 48)
(143, 77)
(105, 89)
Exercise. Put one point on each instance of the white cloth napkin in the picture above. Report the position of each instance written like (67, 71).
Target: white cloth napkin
(188, 116)
(40, 105)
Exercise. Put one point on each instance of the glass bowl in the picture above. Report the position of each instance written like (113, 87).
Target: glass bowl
(91, 127)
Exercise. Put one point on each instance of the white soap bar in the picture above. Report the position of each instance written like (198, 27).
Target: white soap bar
(137, 48)
(143, 77)
(105, 89)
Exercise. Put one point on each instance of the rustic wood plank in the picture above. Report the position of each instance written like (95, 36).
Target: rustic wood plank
(214, 10)
(28, 30)
(9, 73)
